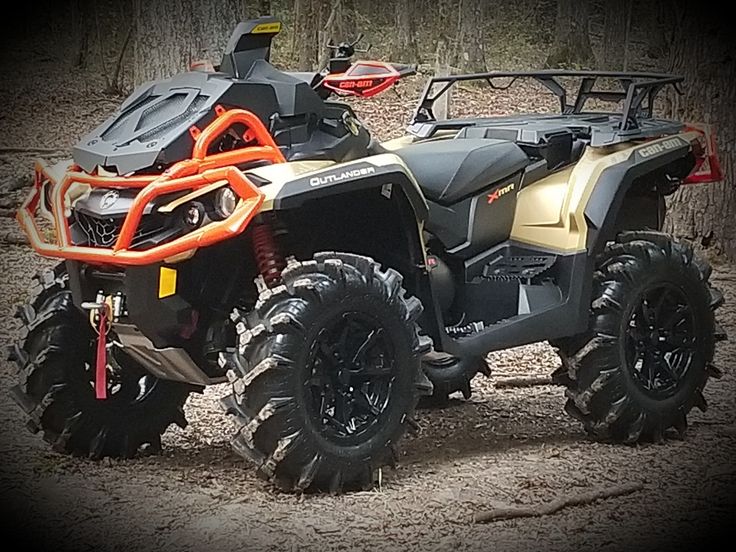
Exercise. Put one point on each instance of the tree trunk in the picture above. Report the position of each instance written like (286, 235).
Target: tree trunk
(705, 55)
(336, 28)
(470, 43)
(661, 23)
(81, 30)
(305, 32)
(405, 44)
(441, 107)
(616, 22)
(171, 34)
(572, 43)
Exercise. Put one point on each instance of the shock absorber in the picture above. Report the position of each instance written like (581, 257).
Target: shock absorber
(269, 259)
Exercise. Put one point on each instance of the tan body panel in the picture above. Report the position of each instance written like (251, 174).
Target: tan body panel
(409, 139)
(550, 213)
(398, 143)
(279, 175)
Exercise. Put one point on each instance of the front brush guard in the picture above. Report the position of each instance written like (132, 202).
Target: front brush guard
(191, 174)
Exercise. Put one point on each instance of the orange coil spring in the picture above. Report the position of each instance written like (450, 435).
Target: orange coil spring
(268, 257)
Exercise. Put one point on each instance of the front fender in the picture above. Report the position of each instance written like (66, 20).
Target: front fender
(288, 187)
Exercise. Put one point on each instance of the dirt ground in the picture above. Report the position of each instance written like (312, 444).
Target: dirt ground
(501, 447)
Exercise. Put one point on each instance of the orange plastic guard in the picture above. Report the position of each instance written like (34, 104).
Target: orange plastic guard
(190, 174)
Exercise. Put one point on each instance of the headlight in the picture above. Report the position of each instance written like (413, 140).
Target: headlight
(194, 214)
(225, 202)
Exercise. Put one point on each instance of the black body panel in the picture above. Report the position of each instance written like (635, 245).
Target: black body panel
(485, 301)
(557, 146)
(150, 131)
(191, 318)
(152, 125)
(546, 320)
(160, 320)
(478, 222)
(246, 46)
(450, 224)
(449, 170)
(509, 261)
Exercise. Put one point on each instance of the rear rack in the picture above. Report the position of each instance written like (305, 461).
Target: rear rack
(636, 88)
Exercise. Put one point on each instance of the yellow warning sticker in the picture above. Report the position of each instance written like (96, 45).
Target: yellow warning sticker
(167, 282)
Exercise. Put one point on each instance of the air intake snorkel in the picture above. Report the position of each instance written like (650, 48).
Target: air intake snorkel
(250, 42)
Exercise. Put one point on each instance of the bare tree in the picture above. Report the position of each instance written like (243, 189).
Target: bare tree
(616, 26)
(660, 24)
(470, 42)
(170, 34)
(706, 58)
(305, 33)
(79, 12)
(572, 41)
(405, 46)
(441, 107)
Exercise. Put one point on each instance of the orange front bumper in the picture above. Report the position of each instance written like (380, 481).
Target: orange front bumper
(189, 175)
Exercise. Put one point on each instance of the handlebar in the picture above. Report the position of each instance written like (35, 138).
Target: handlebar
(334, 46)
(348, 49)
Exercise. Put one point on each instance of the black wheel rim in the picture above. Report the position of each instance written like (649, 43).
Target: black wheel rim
(660, 342)
(351, 369)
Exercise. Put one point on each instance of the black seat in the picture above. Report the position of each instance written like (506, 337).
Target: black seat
(449, 170)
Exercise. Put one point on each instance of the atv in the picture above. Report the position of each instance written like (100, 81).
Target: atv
(238, 225)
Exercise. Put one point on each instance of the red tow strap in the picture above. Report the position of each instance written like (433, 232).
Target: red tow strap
(101, 368)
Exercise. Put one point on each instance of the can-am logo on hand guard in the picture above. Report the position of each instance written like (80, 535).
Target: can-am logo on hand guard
(109, 199)
(500, 192)
(338, 177)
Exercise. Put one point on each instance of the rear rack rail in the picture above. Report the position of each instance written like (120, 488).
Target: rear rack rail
(638, 91)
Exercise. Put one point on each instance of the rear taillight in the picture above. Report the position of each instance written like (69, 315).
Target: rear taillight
(707, 166)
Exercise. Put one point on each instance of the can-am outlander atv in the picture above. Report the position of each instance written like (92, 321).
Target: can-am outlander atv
(235, 225)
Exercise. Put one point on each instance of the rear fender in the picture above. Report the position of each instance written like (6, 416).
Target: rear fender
(669, 157)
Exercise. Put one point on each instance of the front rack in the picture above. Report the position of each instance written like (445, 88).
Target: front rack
(635, 89)
(191, 174)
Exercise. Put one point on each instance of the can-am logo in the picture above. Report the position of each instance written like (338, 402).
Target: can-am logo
(109, 199)
(660, 147)
(338, 177)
